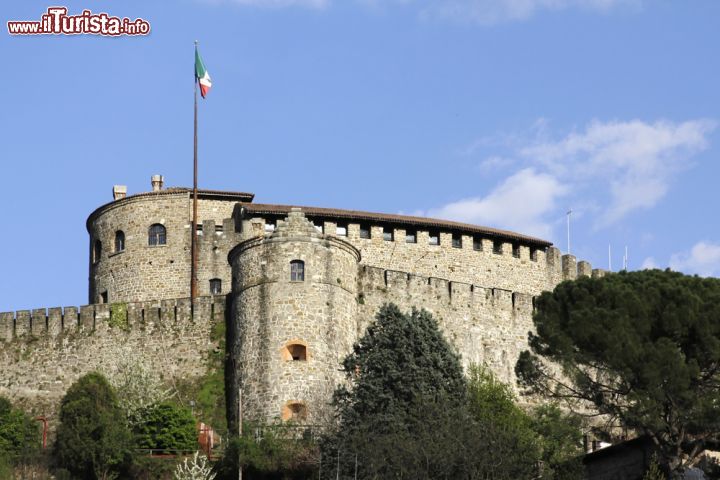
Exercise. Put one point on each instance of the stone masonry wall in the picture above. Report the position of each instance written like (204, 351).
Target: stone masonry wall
(142, 272)
(42, 352)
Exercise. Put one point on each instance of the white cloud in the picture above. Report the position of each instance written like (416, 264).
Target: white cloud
(648, 264)
(703, 259)
(521, 202)
(633, 161)
(488, 12)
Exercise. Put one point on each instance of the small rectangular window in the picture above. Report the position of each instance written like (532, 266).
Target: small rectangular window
(388, 234)
(215, 286)
(477, 243)
(497, 247)
(341, 230)
(364, 230)
(433, 238)
(456, 240)
(516, 250)
(297, 271)
(533, 254)
(104, 297)
(410, 236)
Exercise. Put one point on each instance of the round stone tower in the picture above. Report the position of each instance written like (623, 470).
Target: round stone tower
(293, 319)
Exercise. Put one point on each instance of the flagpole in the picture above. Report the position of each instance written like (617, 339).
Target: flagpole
(193, 232)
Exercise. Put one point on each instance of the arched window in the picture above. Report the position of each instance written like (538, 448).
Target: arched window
(215, 286)
(295, 351)
(297, 271)
(97, 251)
(156, 235)
(119, 241)
(294, 411)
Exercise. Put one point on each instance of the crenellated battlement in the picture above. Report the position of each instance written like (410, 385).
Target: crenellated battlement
(102, 318)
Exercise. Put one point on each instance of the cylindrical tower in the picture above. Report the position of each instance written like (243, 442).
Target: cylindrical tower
(293, 319)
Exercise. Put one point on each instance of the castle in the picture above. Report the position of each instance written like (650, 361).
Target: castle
(296, 287)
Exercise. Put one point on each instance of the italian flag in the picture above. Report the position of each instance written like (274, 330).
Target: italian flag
(201, 75)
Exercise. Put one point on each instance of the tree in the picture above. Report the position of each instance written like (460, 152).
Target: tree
(641, 348)
(18, 431)
(560, 440)
(92, 438)
(404, 413)
(167, 427)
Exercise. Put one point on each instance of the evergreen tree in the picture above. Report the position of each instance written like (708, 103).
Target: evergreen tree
(643, 348)
(167, 427)
(18, 431)
(93, 440)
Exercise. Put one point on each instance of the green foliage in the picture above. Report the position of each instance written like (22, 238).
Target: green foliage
(154, 468)
(654, 472)
(19, 434)
(642, 348)
(167, 427)
(119, 316)
(272, 451)
(560, 439)
(92, 438)
(405, 415)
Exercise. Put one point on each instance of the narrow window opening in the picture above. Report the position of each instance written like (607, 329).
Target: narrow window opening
(433, 237)
(364, 230)
(497, 247)
(97, 251)
(410, 236)
(477, 243)
(456, 240)
(297, 271)
(534, 254)
(119, 241)
(104, 297)
(215, 286)
(516, 250)
(157, 235)
(388, 234)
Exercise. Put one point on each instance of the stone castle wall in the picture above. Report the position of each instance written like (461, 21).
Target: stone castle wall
(43, 351)
(143, 272)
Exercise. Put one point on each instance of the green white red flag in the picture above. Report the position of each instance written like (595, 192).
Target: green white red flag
(201, 75)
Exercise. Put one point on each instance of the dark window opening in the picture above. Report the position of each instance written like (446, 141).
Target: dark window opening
(297, 352)
(297, 271)
(319, 225)
(294, 411)
(156, 235)
(388, 234)
(97, 251)
(456, 240)
(364, 230)
(516, 250)
(410, 236)
(215, 286)
(477, 243)
(533, 254)
(433, 238)
(103, 297)
(119, 241)
(497, 247)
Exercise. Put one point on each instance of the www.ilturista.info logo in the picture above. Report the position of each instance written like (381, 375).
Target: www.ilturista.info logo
(57, 22)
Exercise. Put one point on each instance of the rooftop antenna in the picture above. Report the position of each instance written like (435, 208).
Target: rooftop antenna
(569, 212)
(625, 259)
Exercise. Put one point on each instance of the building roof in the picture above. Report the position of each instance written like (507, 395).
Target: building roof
(402, 220)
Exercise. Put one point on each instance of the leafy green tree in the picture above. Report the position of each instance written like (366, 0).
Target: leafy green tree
(561, 440)
(167, 426)
(642, 348)
(93, 440)
(18, 431)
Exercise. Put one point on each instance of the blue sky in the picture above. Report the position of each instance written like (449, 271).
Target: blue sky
(504, 113)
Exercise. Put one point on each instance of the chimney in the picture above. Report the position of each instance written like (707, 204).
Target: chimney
(119, 192)
(157, 182)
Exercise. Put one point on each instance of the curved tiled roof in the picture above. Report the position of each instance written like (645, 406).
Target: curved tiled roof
(267, 209)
